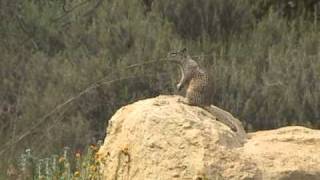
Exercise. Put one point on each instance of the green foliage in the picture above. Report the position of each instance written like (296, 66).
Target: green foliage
(65, 166)
(266, 77)
(219, 19)
(263, 57)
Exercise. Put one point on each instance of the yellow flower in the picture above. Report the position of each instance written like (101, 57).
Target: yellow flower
(93, 168)
(61, 159)
(76, 174)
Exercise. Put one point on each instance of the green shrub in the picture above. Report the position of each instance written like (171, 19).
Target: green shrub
(264, 64)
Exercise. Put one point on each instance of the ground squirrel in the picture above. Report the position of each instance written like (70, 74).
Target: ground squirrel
(198, 87)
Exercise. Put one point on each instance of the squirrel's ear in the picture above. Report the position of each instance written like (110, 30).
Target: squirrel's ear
(184, 52)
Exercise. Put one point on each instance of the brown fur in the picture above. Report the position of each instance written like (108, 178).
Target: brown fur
(198, 85)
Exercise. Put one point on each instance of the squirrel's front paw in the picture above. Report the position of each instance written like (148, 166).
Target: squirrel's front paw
(179, 87)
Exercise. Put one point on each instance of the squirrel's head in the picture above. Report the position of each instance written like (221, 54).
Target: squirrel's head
(178, 55)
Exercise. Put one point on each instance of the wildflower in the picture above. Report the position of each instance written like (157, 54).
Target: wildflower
(93, 168)
(76, 174)
(94, 147)
(61, 159)
(78, 155)
(28, 152)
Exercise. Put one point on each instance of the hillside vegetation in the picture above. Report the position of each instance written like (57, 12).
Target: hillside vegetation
(263, 57)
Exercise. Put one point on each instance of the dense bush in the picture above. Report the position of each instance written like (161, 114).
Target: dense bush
(263, 58)
(219, 19)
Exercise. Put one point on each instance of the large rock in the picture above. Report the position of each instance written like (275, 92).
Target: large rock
(289, 153)
(162, 139)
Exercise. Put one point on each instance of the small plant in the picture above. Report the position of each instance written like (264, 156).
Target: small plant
(66, 166)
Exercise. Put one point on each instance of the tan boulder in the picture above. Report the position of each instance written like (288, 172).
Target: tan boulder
(163, 139)
(289, 153)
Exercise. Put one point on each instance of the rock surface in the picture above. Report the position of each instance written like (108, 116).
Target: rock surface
(289, 153)
(162, 139)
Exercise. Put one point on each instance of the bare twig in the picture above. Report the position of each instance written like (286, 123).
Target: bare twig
(94, 8)
(101, 82)
(98, 83)
(30, 36)
(68, 11)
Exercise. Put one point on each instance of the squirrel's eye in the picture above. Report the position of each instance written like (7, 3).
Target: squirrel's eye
(173, 54)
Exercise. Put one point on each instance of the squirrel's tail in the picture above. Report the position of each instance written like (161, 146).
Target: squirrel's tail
(227, 119)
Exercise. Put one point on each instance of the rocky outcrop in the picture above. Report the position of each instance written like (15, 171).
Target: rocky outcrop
(161, 138)
(289, 153)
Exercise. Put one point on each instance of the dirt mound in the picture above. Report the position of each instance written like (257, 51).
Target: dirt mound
(160, 138)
